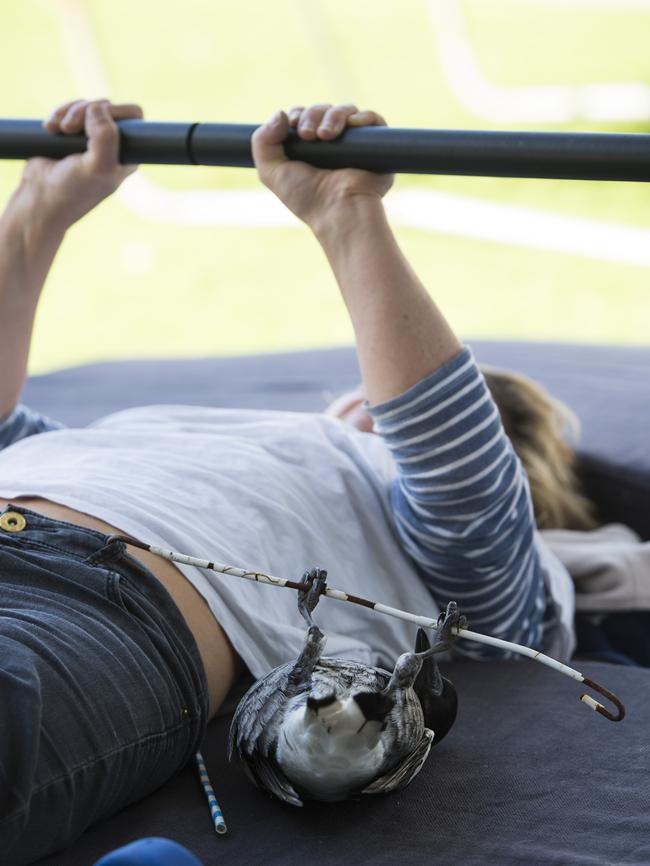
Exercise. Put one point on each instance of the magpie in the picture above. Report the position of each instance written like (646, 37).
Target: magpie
(329, 729)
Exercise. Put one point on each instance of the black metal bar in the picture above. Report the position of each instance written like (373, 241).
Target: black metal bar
(567, 155)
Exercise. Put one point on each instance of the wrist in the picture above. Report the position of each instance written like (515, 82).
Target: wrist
(349, 215)
(28, 219)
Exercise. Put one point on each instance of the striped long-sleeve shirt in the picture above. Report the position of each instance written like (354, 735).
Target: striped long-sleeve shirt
(462, 505)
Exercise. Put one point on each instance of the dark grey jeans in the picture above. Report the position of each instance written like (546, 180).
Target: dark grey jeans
(103, 694)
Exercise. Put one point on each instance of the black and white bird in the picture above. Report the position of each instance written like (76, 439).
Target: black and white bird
(328, 728)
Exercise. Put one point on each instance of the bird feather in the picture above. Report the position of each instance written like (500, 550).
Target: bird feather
(400, 775)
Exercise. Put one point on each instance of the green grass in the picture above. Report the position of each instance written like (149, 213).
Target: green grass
(551, 45)
(125, 287)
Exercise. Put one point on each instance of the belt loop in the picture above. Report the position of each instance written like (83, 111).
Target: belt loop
(112, 549)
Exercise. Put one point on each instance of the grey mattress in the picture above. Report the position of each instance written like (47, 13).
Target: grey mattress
(528, 775)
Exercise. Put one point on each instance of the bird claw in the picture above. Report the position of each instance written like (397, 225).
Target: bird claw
(316, 578)
(448, 620)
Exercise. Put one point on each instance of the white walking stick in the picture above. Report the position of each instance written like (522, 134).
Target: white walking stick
(425, 622)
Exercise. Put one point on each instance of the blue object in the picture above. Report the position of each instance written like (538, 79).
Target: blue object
(152, 851)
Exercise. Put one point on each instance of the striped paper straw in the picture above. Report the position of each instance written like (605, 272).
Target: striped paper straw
(215, 809)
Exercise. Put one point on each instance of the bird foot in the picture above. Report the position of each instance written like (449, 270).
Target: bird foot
(448, 620)
(308, 598)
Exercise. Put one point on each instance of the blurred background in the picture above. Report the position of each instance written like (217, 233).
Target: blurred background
(190, 261)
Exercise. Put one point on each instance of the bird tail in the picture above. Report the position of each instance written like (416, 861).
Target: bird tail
(437, 694)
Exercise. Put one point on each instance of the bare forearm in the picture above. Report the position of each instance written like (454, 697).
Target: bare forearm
(28, 244)
(400, 333)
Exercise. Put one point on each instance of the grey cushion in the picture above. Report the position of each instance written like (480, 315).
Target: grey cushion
(527, 776)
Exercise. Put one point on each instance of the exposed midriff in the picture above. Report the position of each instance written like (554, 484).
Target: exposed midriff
(221, 662)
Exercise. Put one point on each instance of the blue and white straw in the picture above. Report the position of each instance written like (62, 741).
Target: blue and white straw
(215, 810)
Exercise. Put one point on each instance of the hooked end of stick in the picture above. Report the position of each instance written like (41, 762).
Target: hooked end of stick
(598, 707)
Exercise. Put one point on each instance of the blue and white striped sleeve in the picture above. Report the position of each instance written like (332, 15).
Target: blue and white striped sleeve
(462, 506)
(23, 422)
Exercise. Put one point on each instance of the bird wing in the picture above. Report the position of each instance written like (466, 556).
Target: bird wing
(265, 773)
(249, 733)
(256, 710)
(401, 774)
(349, 675)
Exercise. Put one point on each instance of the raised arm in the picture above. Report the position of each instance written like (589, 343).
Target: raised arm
(401, 335)
(27, 249)
(52, 195)
(460, 501)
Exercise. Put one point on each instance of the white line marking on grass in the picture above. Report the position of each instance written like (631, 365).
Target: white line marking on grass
(239, 208)
(553, 103)
(525, 227)
(422, 209)
(427, 210)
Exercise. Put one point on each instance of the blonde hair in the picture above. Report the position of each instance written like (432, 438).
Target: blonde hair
(537, 424)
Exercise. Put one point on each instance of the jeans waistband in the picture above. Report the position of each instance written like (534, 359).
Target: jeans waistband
(78, 542)
(91, 548)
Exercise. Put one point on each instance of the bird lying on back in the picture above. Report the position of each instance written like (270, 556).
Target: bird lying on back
(329, 729)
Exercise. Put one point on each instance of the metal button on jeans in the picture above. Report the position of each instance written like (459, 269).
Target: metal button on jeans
(12, 521)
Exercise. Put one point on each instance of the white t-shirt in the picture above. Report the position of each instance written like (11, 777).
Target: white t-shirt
(316, 494)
